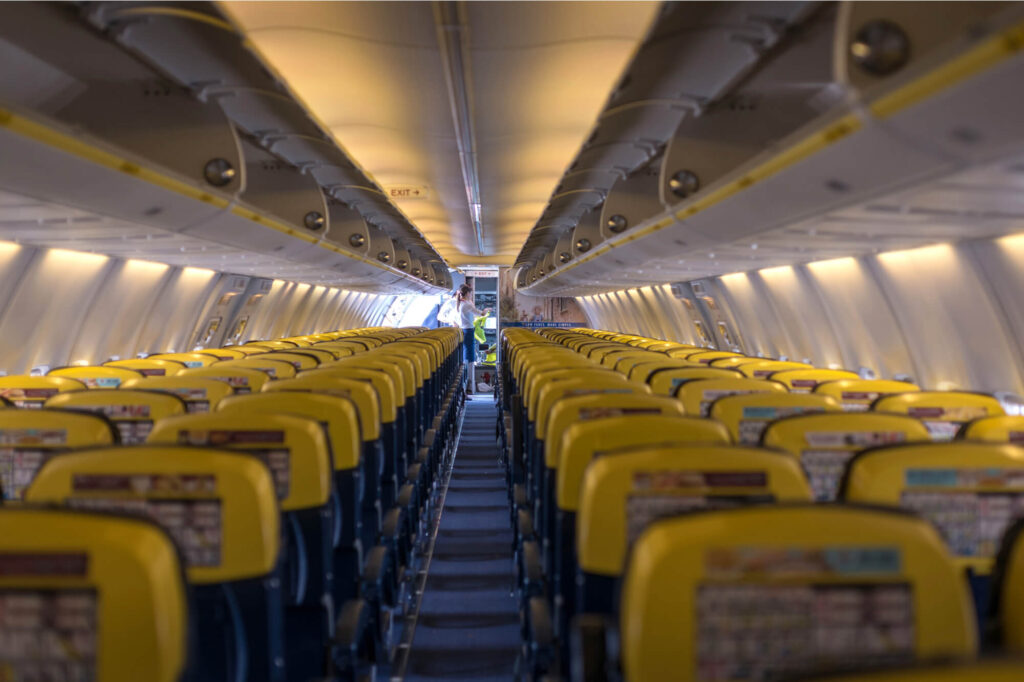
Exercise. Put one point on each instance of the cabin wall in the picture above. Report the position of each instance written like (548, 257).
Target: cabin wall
(947, 315)
(60, 307)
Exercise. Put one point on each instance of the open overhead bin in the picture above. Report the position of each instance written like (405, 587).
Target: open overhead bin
(130, 141)
(785, 132)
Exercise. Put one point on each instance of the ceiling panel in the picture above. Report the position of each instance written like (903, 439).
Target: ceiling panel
(537, 74)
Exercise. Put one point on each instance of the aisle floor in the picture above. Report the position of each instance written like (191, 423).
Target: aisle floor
(468, 623)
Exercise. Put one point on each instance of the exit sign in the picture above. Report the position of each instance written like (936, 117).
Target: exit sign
(399, 192)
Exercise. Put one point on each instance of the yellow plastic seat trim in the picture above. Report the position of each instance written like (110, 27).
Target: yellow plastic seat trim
(698, 394)
(401, 385)
(609, 481)
(584, 441)
(320, 354)
(309, 465)
(28, 438)
(406, 363)
(598, 406)
(297, 359)
(149, 366)
(275, 369)
(362, 394)
(250, 522)
(223, 353)
(943, 412)
(856, 395)
(984, 671)
(413, 358)
(240, 379)
(675, 557)
(31, 391)
(834, 438)
(193, 390)
(141, 602)
(337, 414)
(1004, 429)
(536, 383)
(730, 361)
(667, 380)
(272, 345)
(380, 381)
(805, 380)
(132, 411)
(52, 429)
(535, 370)
(747, 415)
(889, 475)
(195, 359)
(553, 391)
(706, 357)
(246, 351)
(762, 369)
(97, 377)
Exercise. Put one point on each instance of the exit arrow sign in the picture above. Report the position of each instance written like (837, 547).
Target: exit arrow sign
(407, 192)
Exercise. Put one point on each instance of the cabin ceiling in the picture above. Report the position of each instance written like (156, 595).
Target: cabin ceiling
(387, 80)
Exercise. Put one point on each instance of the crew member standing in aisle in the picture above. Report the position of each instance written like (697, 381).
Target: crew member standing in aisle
(467, 313)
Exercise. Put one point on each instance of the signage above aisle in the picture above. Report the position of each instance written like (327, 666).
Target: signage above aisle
(480, 273)
(407, 192)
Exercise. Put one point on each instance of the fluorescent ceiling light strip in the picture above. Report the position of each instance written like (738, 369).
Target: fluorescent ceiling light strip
(452, 39)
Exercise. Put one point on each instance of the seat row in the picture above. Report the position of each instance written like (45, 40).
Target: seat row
(243, 513)
(730, 517)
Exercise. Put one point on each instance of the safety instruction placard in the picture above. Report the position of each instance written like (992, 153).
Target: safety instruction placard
(711, 395)
(588, 413)
(771, 631)
(18, 468)
(643, 510)
(277, 459)
(670, 492)
(824, 462)
(28, 397)
(21, 438)
(858, 401)
(755, 419)
(195, 398)
(944, 422)
(48, 635)
(197, 406)
(182, 504)
(824, 470)
(764, 613)
(971, 507)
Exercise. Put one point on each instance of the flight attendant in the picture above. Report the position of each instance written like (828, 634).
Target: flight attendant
(467, 314)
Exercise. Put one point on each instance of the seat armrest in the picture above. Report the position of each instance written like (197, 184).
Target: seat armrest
(531, 571)
(594, 648)
(379, 575)
(519, 495)
(355, 641)
(542, 649)
(524, 526)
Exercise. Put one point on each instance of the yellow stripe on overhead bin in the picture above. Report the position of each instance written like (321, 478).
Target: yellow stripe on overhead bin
(792, 155)
(176, 13)
(977, 59)
(983, 56)
(52, 137)
(72, 145)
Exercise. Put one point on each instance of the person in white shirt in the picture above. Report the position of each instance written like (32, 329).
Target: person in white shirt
(467, 313)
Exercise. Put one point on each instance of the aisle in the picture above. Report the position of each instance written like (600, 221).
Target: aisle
(468, 624)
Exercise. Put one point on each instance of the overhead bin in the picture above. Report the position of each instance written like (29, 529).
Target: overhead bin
(867, 125)
(122, 161)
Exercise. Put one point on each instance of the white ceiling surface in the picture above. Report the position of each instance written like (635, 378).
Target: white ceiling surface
(372, 72)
